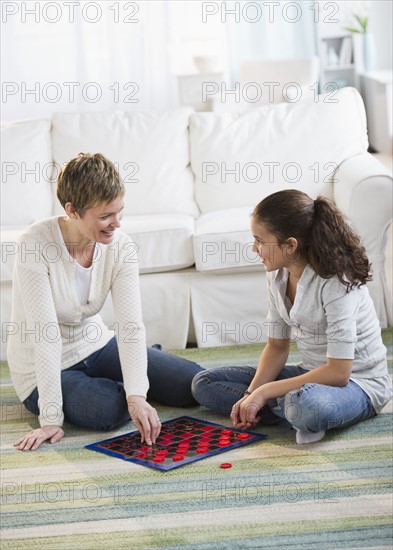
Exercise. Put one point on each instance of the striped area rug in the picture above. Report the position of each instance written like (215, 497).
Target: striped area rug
(329, 495)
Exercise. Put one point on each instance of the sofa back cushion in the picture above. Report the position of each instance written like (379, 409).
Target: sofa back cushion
(26, 158)
(238, 159)
(151, 151)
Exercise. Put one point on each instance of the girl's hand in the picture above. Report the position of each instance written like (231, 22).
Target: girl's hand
(33, 440)
(235, 413)
(244, 413)
(145, 417)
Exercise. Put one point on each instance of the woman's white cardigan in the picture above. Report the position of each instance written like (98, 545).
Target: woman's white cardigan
(52, 331)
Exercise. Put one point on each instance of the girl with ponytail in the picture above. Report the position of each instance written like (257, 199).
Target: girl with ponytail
(317, 270)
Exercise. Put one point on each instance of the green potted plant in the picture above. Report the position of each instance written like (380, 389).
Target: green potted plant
(360, 27)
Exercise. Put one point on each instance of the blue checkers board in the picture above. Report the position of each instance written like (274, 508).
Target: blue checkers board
(181, 441)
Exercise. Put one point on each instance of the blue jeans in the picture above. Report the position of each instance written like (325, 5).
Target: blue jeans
(311, 408)
(93, 394)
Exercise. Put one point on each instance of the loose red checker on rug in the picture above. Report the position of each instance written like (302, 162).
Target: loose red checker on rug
(181, 441)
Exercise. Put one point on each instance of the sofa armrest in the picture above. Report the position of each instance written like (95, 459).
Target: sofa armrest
(363, 190)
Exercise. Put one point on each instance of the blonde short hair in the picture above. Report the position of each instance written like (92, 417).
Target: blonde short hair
(87, 181)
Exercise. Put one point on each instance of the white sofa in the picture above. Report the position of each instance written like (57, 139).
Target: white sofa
(192, 180)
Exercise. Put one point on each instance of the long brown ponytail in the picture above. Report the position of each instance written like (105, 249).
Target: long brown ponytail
(326, 238)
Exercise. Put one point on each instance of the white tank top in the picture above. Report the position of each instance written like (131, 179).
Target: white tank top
(83, 282)
(82, 275)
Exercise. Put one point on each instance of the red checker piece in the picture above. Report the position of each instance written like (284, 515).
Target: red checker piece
(159, 458)
(225, 465)
(162, 453)
(243, 436)
(224, 443)
(226, 432)
(178, 458)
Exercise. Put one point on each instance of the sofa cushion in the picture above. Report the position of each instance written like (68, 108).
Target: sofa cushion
(26, 158)
(223, 241)
(238, 159)
(150, 149)
(163, 241)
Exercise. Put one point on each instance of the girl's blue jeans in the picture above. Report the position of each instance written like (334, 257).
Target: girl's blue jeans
(93, 394)
(311, 408)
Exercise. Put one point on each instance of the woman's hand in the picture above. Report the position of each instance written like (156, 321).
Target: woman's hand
(33, 440)
(145, 417)
(244, 413)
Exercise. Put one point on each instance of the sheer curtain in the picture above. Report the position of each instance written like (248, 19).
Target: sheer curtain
(267, 30)
(107, 55)
(89, 56)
